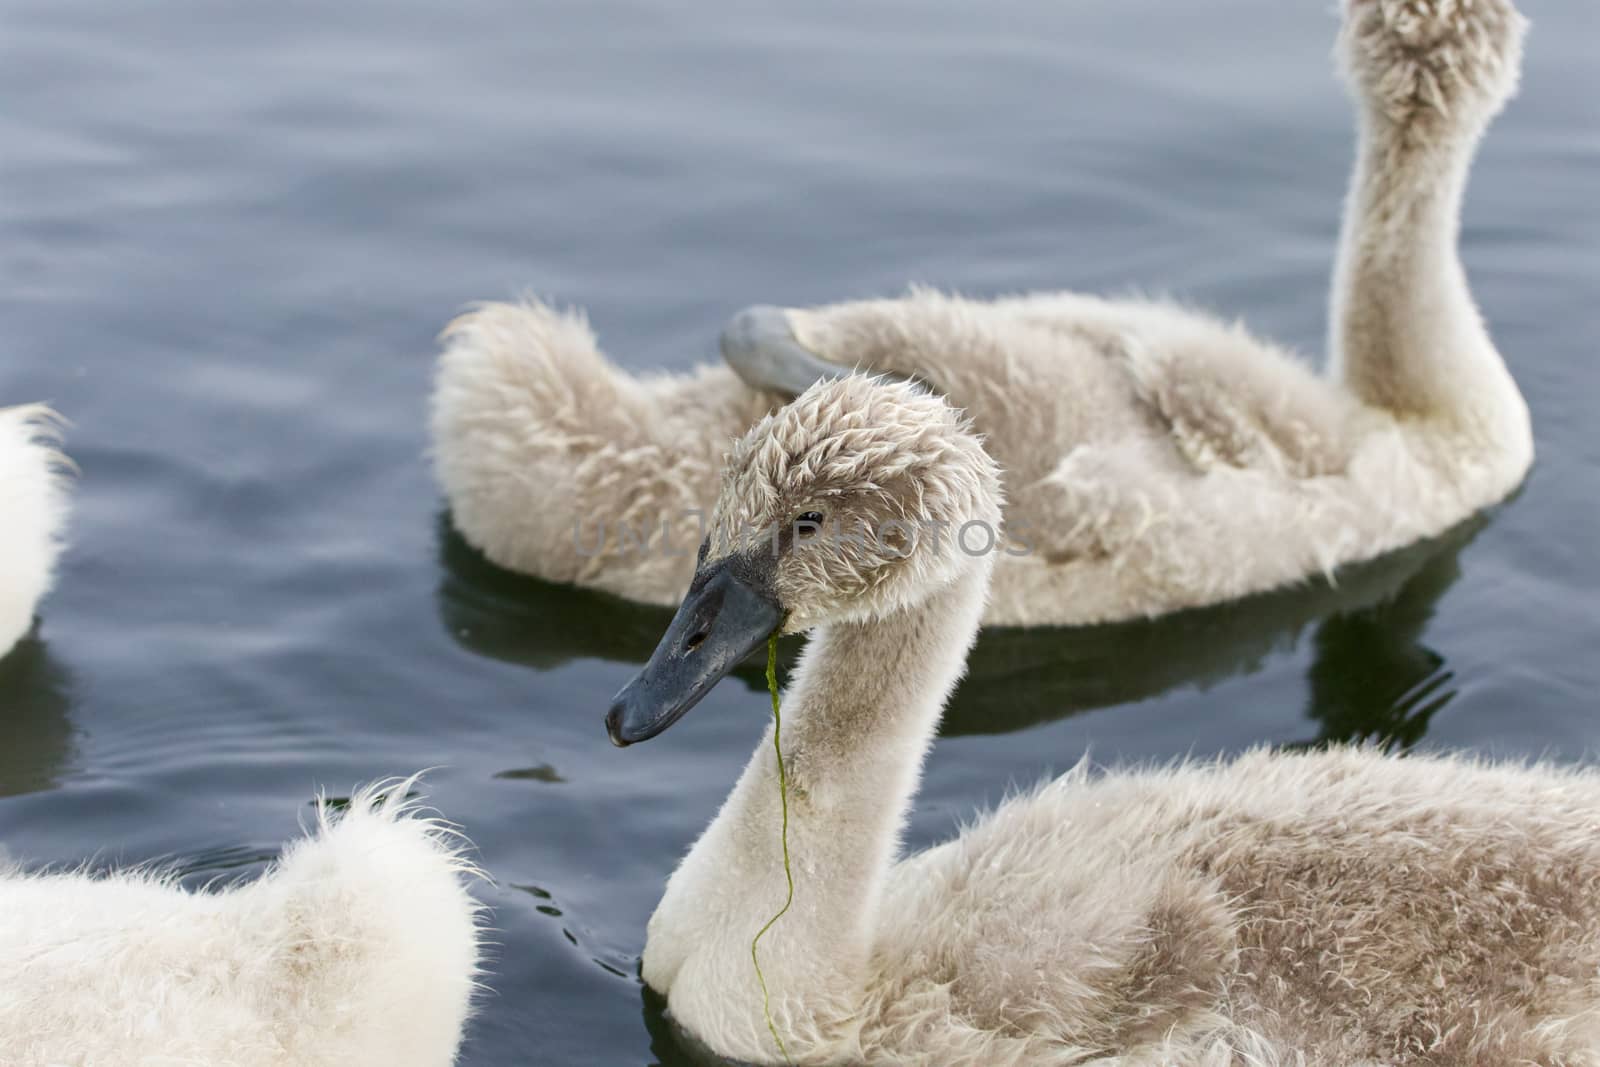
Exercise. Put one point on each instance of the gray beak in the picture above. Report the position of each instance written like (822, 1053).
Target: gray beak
(728, 613)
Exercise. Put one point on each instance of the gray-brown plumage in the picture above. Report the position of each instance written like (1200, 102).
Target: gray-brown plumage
(1156, 458)
(1335, 908)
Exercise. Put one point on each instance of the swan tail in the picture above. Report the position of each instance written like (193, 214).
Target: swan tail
(522, 396)
(555, 462)
(373, 930)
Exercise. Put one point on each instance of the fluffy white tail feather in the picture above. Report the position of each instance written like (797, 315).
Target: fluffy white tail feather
(359, 945)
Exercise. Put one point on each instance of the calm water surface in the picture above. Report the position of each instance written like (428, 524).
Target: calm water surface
(226, 244)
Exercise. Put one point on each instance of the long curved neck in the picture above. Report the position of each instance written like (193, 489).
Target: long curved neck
(857, 722)
(1406, 335)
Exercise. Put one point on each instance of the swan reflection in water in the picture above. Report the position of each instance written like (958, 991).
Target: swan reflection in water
(35, 695)
(1372, 677)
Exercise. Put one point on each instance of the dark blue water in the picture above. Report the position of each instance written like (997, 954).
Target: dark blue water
(228, 239)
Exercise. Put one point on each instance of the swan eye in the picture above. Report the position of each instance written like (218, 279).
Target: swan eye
(808, 524)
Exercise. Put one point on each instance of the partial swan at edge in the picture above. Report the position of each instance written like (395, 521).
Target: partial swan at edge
(358, 946)
(33, 511)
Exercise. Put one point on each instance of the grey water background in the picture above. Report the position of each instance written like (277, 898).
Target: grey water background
(229, 234)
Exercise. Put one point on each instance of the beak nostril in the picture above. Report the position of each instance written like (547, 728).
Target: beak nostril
(721, 620)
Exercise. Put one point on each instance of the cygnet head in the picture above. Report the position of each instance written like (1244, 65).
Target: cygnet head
(858, 500)
(1433, 66)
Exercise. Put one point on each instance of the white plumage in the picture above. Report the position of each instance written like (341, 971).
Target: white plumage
(33, 510)
(359, 946)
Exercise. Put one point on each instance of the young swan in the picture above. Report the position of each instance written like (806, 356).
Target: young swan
(1157, 458)
(358, 947)
(33, 509)
(1333, 908)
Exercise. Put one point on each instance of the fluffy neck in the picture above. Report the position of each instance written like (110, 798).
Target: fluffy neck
(1406, 335)
(857, 721)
